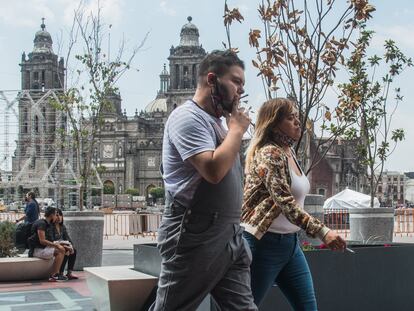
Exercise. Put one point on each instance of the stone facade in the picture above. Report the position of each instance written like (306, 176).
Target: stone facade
(127, 149)
(391, 188)
(42, 76)
(130, 147)
(339, 169)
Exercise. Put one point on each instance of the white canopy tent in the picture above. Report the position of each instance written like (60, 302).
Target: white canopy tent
(349, 199)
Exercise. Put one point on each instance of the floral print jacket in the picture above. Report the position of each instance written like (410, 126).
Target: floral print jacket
(267, 194)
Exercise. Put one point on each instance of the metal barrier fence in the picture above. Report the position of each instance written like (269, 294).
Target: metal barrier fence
(10, 216)
(127, 225)
(338, 220)
(131, 224)
(404, 221)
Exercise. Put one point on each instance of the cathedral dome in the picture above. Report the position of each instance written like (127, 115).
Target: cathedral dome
(43, 41)
(158, 104)
(189, 34)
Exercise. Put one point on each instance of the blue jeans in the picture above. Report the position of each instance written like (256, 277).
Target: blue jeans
(277, 258)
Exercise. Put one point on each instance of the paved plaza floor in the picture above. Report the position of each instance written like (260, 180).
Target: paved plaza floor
(71, 295)
(75, 294)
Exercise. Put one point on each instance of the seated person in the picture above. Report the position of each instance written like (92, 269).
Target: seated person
(42, 245)
(61, 236)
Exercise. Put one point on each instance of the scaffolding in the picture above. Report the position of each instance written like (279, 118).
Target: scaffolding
(36, 149)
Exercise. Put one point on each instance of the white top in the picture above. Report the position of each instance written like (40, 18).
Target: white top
(300, 188)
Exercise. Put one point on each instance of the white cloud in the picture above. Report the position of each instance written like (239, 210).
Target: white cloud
(401, 34)
(111, 10)
(403, 12)
(166, 9)
(23, 13)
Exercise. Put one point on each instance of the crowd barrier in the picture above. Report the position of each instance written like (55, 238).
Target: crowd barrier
(127, 225)
(404, 221)
(131, 224)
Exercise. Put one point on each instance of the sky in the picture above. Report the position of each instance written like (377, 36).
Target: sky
(131, 20)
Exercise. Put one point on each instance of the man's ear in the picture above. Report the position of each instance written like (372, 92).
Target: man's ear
(211, 79)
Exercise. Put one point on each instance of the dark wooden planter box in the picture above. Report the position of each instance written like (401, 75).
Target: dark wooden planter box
(376, 277)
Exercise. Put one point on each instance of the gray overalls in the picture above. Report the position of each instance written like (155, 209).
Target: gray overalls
(203, 251)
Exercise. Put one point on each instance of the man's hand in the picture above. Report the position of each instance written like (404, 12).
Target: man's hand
(238, 119)
(60, 248)
(334, 241)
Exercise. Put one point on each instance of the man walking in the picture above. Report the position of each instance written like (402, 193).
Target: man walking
(200, 238)
(31, 210)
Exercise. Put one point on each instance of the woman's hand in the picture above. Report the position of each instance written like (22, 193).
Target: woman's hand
(334, 241)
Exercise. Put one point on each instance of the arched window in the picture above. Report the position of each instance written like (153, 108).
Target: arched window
(45, 119)
(25, 117)
(36, 125)
(321, 191)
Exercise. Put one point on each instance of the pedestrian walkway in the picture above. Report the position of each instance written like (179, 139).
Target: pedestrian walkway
(75, 294)
(43, 295)
(71, 295)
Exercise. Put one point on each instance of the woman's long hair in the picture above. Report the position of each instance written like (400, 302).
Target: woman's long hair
(60, 213)
(270, 114)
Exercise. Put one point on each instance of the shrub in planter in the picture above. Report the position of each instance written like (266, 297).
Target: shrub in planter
(7, 233)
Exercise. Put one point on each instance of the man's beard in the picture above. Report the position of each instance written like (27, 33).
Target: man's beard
(221, 95)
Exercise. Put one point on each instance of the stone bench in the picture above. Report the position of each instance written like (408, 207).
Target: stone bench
(24, 269)
(116, 288)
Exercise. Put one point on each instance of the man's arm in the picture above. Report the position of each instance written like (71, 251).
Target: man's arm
(42, 239)
(214, 165)
(21, 218)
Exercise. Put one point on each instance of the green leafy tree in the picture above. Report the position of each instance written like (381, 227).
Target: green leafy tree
(374, 104)
(157, 192)
(132, 191)
(109, 188)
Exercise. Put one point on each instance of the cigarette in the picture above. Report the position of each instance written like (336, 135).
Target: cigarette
(349, 250)
(245, 95)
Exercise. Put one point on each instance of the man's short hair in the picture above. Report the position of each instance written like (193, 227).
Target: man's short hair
(50, 210)
(219, 63)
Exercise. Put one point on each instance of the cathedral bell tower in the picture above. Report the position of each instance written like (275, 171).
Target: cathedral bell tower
(42, 78)
(184, 60)
(41, 70)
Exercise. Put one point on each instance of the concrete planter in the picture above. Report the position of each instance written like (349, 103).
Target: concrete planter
(14, 269)
(86, 230)
(376, 277)
(371, 225)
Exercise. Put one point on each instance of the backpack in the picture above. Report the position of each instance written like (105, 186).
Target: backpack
(23, 232)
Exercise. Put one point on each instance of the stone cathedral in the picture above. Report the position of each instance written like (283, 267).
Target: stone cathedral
(128, 147)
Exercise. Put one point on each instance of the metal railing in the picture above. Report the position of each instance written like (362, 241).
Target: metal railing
(404, 222)
(338, 220)
(134, 225)
(10, 216)
(127, 225)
